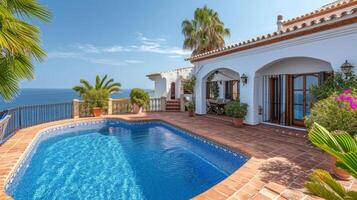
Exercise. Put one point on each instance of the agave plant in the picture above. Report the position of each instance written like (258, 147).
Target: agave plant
(343, 147)
(100, 84)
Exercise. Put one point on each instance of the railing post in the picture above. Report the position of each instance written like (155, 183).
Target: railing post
(110, 106)
(182, 103)
(75, 108)
(3, 125)
(163, 104)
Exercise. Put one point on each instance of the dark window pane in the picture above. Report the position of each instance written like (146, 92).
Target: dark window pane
(298, 112)
(307, 110)
(298, 82)
(298, 97)
(311, 80)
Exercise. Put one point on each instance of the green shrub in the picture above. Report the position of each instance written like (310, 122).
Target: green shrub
(334, 115)
(140, 97)
(190, 106)
(189, 85)
(334, 84)
(236, 109)
(96, 98)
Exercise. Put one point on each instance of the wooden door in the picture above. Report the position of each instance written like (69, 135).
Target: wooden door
(301, 96)
(173, 90)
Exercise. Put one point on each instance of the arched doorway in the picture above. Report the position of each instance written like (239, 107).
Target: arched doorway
(221, 86)
(286, 83)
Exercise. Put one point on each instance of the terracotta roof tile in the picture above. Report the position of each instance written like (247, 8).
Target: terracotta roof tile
(323, 20)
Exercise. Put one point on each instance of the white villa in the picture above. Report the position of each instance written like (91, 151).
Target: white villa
(169, 84)
(273, 72)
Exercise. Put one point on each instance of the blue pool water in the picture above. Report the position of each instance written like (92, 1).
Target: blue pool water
(118, 160)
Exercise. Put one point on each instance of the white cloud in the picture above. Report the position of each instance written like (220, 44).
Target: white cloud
(134, 61)
(175, 56)
(88, 48)
(115, 49)
(105, 61)
(144, 44)
(60, 54)
(158, 45)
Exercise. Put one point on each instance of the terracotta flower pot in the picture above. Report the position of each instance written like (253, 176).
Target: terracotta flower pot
(97, 111)
(238, 122)
(136, 109)
(191, 113)
(339, 173)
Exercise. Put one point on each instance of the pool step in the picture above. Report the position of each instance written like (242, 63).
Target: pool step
(173, 105)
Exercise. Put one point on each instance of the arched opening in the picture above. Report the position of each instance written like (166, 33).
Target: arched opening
(285, 96)
(221, 86)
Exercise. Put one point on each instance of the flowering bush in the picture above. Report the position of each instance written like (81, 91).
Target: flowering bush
(347, 97)
(338, 112)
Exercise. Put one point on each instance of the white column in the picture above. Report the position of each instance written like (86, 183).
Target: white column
(110, 106)
(200, 96)
(221, 89)
(247, 93)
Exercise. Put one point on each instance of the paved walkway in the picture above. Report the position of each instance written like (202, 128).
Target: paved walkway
(279, 164)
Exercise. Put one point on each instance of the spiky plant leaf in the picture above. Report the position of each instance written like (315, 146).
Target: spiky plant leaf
(321, 184)
(342, 146)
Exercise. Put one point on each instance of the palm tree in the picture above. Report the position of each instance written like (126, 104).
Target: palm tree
(19, 42)
(205, 32)
(100, 84)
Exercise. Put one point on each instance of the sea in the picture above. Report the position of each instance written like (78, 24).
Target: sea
(49, 96)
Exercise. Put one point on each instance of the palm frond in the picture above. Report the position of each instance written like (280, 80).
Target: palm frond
(323, 185)
(205, 32)
(30, 9)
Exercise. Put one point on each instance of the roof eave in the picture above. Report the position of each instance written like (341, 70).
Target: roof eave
(280, 37)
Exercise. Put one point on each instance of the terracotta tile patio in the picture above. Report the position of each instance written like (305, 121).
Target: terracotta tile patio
(280, 159)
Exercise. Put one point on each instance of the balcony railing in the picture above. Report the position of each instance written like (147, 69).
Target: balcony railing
(123, 106)
(25, 116)
(11, 120)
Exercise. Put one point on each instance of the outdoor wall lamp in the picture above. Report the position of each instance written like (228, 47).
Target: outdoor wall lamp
(346, 69)
(244, 79)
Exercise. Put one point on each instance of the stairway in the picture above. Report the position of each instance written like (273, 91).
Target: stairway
(173, 105)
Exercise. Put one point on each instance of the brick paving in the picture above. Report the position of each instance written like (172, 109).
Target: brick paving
(280, 159)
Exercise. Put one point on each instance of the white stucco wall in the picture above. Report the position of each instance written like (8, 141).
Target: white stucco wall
(160, 88)
(332, 47)
(295, 65)
(164, 79)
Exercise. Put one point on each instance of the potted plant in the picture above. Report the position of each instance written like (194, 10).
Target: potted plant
(138, 99)
(96, 101)
(238, 111)
(190, 106)
(96, 96)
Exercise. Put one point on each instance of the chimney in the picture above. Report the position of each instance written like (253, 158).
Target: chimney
(279, 22)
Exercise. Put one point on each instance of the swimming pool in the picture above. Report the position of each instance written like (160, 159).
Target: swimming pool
(112, 159)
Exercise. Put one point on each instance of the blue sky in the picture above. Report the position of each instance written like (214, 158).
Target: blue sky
(129, 39)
